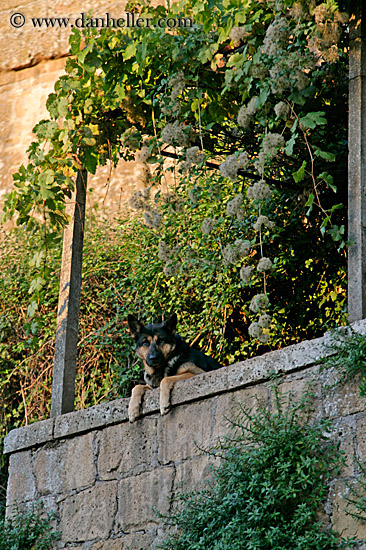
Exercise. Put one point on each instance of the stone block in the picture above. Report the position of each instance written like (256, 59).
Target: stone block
(21, 482)
(192, 475)
(227, 407)
(132, 541)
(69, 465)
(90, 514)
(88, 419)
(183, 431)
(126, 448)
(29, 436)
(343, 523)
(139, 497)
(361, 437)
(344, 434)
(344, 399)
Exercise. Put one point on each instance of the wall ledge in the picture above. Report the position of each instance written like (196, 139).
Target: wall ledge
(233, 377)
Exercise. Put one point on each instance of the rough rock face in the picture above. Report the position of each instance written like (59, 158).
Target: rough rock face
(32, 60)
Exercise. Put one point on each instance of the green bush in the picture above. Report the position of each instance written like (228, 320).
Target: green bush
(349, 358)
(268, 489)
(29, 530)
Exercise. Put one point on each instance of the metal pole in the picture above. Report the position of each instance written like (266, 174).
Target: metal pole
(64, 370)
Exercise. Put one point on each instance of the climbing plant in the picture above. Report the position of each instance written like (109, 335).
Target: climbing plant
(244, 100)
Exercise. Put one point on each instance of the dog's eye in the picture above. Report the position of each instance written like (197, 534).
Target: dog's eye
(146, 343)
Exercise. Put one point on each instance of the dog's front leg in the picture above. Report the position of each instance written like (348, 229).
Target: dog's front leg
(136, 400)
(166, 387)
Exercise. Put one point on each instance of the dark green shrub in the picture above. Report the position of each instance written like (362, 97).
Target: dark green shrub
(267, 491)
(29, 530)
(349, 358)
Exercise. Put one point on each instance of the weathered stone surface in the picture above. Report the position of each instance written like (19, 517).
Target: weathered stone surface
(361, 437)
(89, 515)
(227, 407)
(192, 475)
(126, 447)
(21, 482)
(183, 431)
(135, 541)
(88, 419)
(140, 496)
(345, 525)
(344, 399)
(67, 466)
(29, 436)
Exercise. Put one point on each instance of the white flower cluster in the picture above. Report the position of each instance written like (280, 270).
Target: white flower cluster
(232, 164)
(171, 269)
(259, 191)
(175, 133)
(233, 206)
(246, 273)
(237, 34)
(323, 43)
(143, 173)
(264, 320)
(281, 109)
(258, 70)
(232, 253)
(152, 218)
(246, 112)
(264, 265)
(137, 201)
(263, 221)
(256, 331)
(164, 252)
(177, 83)
(259, 302)
(207, 225)
(193, 156)
(272, 143)
(142, 154)
(276, 37)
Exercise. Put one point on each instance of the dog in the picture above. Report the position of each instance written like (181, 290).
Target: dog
(167, 358)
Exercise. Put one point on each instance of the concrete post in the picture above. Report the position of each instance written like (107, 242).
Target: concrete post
(64, 370)
(357, 164)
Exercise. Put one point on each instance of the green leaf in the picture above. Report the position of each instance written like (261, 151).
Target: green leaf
(311, 120)
(300, 173)
(129, 52)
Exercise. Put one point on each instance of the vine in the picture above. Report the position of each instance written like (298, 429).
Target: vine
(240, 99)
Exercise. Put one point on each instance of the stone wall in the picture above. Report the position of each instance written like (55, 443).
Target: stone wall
(32, 60)
(105, 477)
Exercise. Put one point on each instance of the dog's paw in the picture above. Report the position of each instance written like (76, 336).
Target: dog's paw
(164, 402)
(164, 409)
(133, 413)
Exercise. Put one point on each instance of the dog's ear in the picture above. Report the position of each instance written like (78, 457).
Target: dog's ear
(171, 323)
(134, 326)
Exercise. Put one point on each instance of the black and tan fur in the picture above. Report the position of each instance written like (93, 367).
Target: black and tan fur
(167, 358)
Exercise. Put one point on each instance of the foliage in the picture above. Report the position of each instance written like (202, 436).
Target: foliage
(253, 89)
(267, 490)
(27, 530)
(349, 357)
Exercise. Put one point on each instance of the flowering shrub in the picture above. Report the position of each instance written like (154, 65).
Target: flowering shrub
(247, 103)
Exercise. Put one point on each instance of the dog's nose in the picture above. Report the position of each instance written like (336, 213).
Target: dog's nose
(153, 356)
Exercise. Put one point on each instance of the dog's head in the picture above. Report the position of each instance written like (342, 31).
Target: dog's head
(155, 344)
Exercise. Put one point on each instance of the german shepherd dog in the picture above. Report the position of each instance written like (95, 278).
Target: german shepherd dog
(167, 358)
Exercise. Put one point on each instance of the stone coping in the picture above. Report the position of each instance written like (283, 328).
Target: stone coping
(233, 377)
